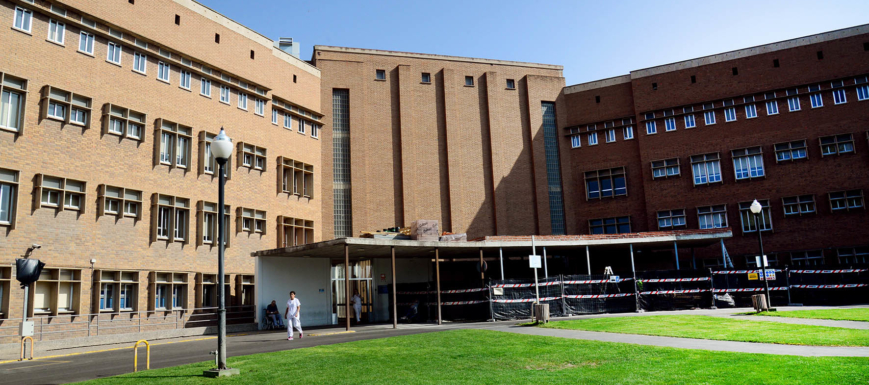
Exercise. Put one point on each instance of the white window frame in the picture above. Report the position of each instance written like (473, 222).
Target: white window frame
(275, 116)
(748, 163)
(670, 124)
(288, 121)
(576, 141)
(302, 124)
(862, 89)
(713, 212)
(315, 130)
(10, 186)
(59, 29)
(259, 106)
(793, 103)
(225, 93)
(750, 111)
(709, 117)
(651, 128)
(706, 165)
(730, 114)
(628, 132)
(140, 63)
(184, 79)
(610, 135)
(774, 104)
(242, 101)
(205, 87)
(690, 122)
(817, 100)
(87, 39)
(163, 71)
(26, 18)
(839, 96)
(592, 138)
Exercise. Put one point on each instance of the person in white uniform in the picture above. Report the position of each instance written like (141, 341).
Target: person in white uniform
(357, 304)
(292, 316)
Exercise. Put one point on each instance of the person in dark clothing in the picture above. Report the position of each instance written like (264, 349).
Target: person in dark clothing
(273, 313)
(411, 312)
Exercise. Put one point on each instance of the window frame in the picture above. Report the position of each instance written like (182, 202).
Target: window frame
(598, 176)
(258, 154)
(184, 75)
(610, 135)
(765, 216)
(668, 123)
(127, 117)
(29, 20)
(60, 30)
(17, 86)
(617, 222)
(626, 130)
(790, 150)
(847, 195)
(705, 161)
(242, 101)
(713, 210)
(225, 94)
(57, 279)
(140, 60)
(89, 40)
(176, 131)
(205, 85)
(807, 258)
(61, 192)
(205, 209)
(165, 284)
(651, 127)
(857, 252)
(693, 121)
(301, 231)
(671, 215)
(124, 197)
(206, 159)
(259, 106)
(173, 204)
(295, 177)
(748, 153)
(257, 218)
(70, 101)
(838, 141)
(666, 165)
(10, 178)
(798, 201)
(114, 49)
(164, 68)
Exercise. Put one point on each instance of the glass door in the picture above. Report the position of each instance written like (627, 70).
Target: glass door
(360, 281)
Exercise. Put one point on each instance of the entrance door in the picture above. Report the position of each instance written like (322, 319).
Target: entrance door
(360, 281)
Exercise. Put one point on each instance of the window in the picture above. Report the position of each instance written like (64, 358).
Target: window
(380, 75)
(114, 53)
(748, 163)
(56, 110)
(651, 128)
(575, 141)
(771, 105)
(242, 101)
(771, 260)
(294, 231)
(807, 258)
(469, 81)
(184, 80)
(620, 225)
(8, 197)
(793, 100)
(116, 33)
(120, 202)
(288, 121)
(750, 108)
(837, 144)
(665, 168)
(670, 124)
(205, 87)
(511, 84)
(862, 88)
(56, 286)
(66, 106)
(251, 221)
(259, 106)
(706, 168)
(302, 124)
(629, 132)
(712, 217)
(169, 218)
(118, 290)
(838, 92)
(275, 116)
(163, 71)
(315, 130)
(799, 205)
(61, 193)
(709, 118)
(816, 98)
(426, 77)
(251, 156)
(56, 31)
(846, 200)
(86, 43)
(124, 122)
(671, 219)
(173, 142)
(23, 19)
(730, 114)
(790, 150)
(170, 290)
(747, 217)
(689, 121)
(297, 177)
(107, 297)
(224, 94)
(592, 138)
(854, 255)
(605, 183)
(140, 62)
(207, 162)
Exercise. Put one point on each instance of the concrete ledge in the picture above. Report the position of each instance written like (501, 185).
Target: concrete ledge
(44, 346)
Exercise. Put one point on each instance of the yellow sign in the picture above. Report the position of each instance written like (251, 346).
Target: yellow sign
(752, 276)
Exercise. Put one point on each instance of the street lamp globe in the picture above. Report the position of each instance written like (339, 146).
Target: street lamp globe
(221, 146)
(755, 207)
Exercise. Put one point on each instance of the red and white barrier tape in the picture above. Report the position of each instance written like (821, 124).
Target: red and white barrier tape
(742, 271)
(515, 285)
(747, 290)
(829, 271)
(462, 303)
(595, 281)
(582, 296)
(414, 292)
(674, 279)
(690, 291)
(524, 300)
(457, 291)
(846, 286)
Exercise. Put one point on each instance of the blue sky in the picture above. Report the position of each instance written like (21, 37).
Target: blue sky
(591, 39)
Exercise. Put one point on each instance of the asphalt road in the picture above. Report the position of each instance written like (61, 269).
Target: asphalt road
(81, 367)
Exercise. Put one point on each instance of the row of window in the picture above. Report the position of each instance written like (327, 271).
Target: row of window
(844, 256)
(771, 104)
(380, 74)
(715, 217)
(23, 21)
(170, 215)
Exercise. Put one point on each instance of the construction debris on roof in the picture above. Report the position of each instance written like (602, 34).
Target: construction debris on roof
(420, 230)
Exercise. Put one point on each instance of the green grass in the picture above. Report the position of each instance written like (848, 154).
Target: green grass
(861, 314)
(490, 357)
(719, 328)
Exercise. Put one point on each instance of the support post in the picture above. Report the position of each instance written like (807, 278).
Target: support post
(588, 260)
(762, 266)
(634, 272)
(788, 282)
(501, 256)
(676, 251)
(221, 293)
(482, 261)
(545, 267)
(693, 259)
(438, 282)
(347, 285)
(394, 294)
(536, 286)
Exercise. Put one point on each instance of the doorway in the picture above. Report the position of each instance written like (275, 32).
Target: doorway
(360, 281)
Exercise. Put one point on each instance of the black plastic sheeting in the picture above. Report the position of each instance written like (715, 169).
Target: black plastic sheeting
(736, 284)
(519, 295)
(460, 301)
(613, 297)
(829, 276)
(674, 289)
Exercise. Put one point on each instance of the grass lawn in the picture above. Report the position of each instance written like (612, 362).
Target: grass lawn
(832, 314)
(718, 328)
(490, 357)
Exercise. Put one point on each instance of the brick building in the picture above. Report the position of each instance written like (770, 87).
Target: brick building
(108, 108)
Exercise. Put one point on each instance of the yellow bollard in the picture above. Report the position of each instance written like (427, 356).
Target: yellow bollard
(136, 355)
(21, 358)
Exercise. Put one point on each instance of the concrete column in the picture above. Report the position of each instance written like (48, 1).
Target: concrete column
(438, 282)
(588, 260)
(545, 266)
(676, 252)
(394, 297)
(501, 256)
(347, 284)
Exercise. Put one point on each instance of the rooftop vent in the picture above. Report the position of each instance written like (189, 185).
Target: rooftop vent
(287, 45)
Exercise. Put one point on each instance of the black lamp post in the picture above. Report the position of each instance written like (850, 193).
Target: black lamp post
(756, 209)
(221, 150)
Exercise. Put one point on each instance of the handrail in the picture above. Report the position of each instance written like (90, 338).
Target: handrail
(136, 356)
(21, 358)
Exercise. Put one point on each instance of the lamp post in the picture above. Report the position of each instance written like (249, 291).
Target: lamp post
(221, 150)
(756, 209)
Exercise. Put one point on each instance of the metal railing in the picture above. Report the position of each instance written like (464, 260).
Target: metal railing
(95, 324)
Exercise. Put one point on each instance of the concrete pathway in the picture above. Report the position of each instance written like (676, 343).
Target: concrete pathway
(690, 343)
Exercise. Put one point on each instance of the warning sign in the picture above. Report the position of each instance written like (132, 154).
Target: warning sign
(752, 276)
(770, 275)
